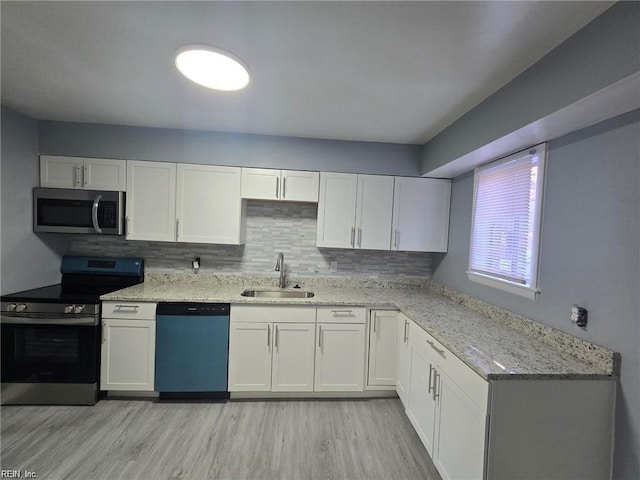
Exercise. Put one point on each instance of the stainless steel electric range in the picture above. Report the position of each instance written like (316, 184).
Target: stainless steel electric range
(51, 336)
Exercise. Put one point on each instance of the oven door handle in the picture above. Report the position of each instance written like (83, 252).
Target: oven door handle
(7, 319)
(94, 214)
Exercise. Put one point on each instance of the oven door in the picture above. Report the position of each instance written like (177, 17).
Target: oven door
(42, 350)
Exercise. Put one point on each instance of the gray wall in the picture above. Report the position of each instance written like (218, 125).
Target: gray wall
(189, 146)
(28, 260)
(590, 255)
(600, 54)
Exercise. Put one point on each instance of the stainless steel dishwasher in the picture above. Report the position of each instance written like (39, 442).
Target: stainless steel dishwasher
(192, 350)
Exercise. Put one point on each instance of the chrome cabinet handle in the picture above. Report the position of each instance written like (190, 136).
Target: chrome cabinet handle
(177, 228)
(126, 226)
(395, 239)
(336, 312)
(284, 187)
(94, 214)
(277, 187)
(85, 176)
(353, 236)
(275, 337)
(76, 176)
(359, 236)
(319, 336)
(433, 345)
(104, 332)
(431, 369)
(268, 335)
(435, 384)
(406, 325)
(133, 308)
(375, 321)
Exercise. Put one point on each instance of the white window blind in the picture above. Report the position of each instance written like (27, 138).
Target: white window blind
(506, 218)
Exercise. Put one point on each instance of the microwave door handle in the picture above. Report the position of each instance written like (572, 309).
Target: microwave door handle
(94, 214)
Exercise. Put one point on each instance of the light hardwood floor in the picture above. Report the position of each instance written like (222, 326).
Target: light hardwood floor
(276, 439)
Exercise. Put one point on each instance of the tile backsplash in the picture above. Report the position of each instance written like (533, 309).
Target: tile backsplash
(272, 227)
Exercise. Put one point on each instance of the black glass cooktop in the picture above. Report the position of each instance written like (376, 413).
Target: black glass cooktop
(52, 294)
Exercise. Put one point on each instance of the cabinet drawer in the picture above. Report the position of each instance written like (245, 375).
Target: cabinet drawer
(473, 385)
(268, 314)
(342, 314)
(130, 310)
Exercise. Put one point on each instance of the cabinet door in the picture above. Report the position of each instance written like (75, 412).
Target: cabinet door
(60, 172)
(293, 357)
(383, 348)
(403, 373)
(422, 407)
(250, 357)
(336, 210)
(208, 204)
(460, 432)
(128, 355)
(261, 183)
(373, 212)
(151, 201)
(105, 174)
(421, 214)
(339, 358)
(300, 186)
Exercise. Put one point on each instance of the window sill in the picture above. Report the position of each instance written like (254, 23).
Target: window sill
(504, 285)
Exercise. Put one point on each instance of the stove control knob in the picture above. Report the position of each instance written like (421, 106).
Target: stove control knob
(68, 309)
(78, 309)
(21, 307)
(12, 307)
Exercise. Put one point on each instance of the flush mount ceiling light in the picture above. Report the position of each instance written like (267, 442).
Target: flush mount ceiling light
(212, 68)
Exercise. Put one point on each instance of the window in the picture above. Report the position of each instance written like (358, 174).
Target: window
(505, 230)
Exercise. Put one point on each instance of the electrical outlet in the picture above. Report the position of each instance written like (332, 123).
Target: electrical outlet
(579, 316)
(333, 267)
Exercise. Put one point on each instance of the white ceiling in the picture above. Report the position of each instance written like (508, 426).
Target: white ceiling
(395, 72)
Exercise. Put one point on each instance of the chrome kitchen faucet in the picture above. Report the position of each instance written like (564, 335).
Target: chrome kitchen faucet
(282, 283)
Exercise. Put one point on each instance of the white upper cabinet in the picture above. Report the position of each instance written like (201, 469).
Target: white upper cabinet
(288, 185)
(421, 214)
(337, 210)
(373, 212)
(151, 201)
(260, 183)
(83, 173)
(208, 204)
(184, 203)
(354, 211)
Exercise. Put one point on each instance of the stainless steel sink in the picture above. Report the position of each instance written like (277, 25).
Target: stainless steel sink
(277, 293)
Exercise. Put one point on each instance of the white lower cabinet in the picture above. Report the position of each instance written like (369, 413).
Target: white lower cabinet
(249, 356)
(448, 407)
(460, 431)
(128, 346)
(383, 348)
(503, 429)
(403, 372)
(340, 349)
(284, 349)
(293, 357)
(267, 355)
(420, 406)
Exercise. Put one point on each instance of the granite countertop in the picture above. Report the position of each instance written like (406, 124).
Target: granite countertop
(495, 345)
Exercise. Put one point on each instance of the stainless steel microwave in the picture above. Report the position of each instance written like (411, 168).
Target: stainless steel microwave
(62, 210)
